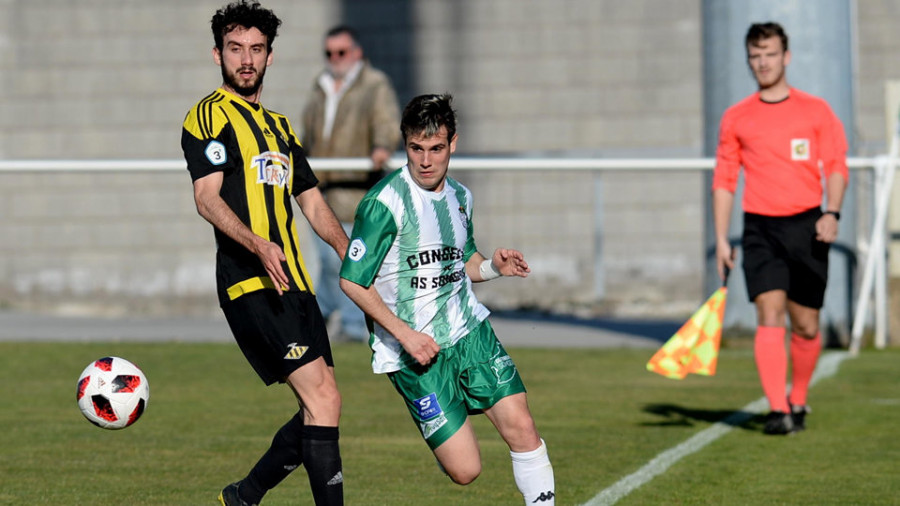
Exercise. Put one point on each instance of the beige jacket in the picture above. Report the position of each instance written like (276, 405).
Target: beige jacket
(367, 117)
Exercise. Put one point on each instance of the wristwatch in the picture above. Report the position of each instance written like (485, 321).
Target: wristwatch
(836, 214)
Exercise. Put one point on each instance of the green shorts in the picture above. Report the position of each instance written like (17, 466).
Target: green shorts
(466, 378)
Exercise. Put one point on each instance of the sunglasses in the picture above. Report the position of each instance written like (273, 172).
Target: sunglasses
(340, 53)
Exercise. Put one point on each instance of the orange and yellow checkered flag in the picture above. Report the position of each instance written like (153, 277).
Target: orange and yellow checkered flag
(695, 347)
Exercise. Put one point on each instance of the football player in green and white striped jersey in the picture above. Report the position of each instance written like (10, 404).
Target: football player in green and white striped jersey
(410, 266)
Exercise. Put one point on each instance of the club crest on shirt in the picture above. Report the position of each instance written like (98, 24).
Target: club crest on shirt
(463, 217)
(799, 149)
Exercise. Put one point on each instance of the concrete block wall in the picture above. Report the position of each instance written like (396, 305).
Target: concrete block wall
(580, 77)
(111, 79)
(104, 243)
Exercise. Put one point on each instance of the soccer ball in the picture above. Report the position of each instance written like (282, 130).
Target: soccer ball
(112, 393)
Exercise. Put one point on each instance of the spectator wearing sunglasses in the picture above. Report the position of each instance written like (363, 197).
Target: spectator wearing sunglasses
(351, 111)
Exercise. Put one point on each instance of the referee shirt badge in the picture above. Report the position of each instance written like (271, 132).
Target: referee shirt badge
(799, 149)
(295, 352)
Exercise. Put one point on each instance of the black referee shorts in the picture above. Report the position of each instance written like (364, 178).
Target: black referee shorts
(782, 253)
(278, 334)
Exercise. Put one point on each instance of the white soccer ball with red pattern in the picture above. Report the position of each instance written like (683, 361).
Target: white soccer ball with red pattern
(112, 393)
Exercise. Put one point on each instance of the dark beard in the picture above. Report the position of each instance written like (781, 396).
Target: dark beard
(248, 91)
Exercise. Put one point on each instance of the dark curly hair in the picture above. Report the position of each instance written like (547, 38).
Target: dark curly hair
(426, 114)
(248, 14)
(760, 31)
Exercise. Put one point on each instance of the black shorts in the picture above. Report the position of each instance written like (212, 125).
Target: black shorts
(782, 253)
(278, 334)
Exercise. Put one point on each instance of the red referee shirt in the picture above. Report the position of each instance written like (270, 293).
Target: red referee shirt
(784, 148)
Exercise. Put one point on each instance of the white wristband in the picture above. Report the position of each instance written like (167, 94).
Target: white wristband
(488, 271)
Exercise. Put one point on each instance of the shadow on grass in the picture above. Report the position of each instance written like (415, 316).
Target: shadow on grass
(657, 329)
(680, 416)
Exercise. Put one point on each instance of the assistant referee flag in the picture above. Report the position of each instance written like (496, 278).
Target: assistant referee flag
(695, 347)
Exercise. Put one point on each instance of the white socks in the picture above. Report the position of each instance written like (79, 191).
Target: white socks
(534, 476)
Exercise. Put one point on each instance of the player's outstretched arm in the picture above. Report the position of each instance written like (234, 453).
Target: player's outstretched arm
(510, 262)
(216, 211)
(505, 262)
(323, 221)
(421, 347)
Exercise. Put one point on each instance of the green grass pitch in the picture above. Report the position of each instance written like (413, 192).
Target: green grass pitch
(602, 414)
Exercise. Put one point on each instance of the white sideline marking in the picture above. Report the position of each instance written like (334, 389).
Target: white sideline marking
(827, 367)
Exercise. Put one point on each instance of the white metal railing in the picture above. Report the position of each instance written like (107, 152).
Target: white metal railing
(458, 163)
(874, 275)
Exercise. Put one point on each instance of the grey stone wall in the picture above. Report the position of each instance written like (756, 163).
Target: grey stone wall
(112, 79)
(104, 243)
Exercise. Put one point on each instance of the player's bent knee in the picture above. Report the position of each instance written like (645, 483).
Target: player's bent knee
(329, 400)
(321, 401)
(464, 476)
(524, 425)
(805, 331)
(520, 432)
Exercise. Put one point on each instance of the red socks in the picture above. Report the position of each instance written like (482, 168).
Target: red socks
(804, 354)
(771, 362)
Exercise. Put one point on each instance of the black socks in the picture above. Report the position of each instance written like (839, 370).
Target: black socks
(322, 456)
(295, 444)
(279, 460)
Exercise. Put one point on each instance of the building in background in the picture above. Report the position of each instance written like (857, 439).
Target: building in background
(577, 78)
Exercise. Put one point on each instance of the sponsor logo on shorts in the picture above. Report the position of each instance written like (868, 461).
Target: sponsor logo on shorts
(799, 149)
(295, 352)
(428, 406)
(215, 152)
(503, 367)
(357, 250)
(429, 427)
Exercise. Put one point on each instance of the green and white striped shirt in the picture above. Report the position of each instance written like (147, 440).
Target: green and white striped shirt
(413, 245)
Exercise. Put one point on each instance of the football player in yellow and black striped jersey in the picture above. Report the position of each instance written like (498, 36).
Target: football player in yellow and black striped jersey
(246, 164)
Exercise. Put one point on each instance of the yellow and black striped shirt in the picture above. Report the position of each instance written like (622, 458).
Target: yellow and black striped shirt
(263, 166)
